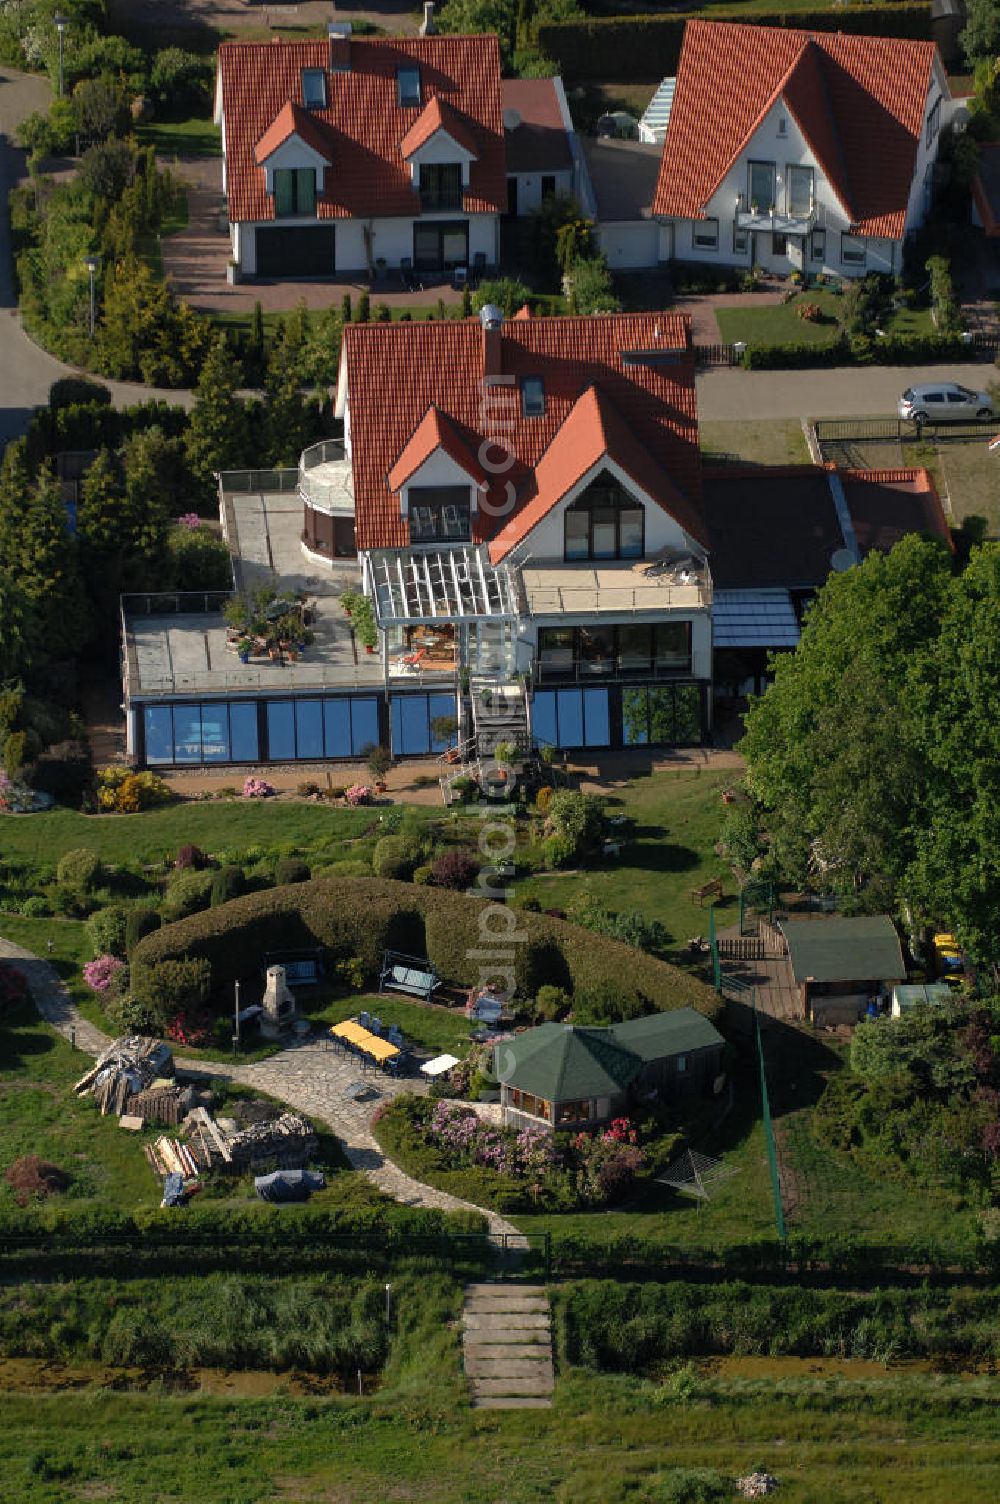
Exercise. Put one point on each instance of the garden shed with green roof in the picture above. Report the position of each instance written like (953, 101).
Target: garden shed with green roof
(565, 1077)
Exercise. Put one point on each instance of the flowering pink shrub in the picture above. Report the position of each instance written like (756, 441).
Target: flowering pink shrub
(189, 519)
(529, 1152)
(358, 793)
(258, 788)
(194, 1030)
(100, 974)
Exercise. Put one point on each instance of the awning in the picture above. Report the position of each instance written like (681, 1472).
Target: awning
(438, 1065)
(438, 584)
(762, 618)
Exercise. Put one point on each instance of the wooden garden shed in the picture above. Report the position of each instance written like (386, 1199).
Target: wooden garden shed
(839, 963)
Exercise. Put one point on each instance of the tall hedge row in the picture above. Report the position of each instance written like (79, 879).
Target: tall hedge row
(366, 917)
(644, 47)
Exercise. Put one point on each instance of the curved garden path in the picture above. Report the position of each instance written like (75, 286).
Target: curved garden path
(307, 1077)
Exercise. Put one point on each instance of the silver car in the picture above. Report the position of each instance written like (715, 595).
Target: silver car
(944, 402)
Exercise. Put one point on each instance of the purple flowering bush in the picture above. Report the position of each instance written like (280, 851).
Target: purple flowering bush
(358, 793)
(257, 788)
(99, 975)
(189, 519)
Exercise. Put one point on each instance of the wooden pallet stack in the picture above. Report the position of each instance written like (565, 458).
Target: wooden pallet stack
(125, 1069)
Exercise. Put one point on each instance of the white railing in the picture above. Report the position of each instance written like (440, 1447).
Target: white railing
(772, 220)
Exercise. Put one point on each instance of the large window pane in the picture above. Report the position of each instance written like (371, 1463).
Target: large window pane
(577, 534)
(544, 727)
(187, 733)
(281, 730)
(634, 647)
(570, 707)
(687, 713)
(439, 705)
(309, 729)
(762, 181)
(337, 727)
(597, 650)
(631, 535)
(215, 732)
(635, 717)
(604, 536)
(800, 190)
(364, 725)
(158, 723)
(661, 715)
(243, 732)
(305, 191)
(284, 191)
(596, 719)
(414, 732)
(673, 645)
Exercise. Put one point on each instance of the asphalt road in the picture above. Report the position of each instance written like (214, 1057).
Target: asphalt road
(844, 392)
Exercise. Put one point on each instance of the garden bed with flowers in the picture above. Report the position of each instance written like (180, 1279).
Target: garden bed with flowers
(448, 1145)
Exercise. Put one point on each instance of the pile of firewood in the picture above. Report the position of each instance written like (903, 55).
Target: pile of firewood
(286, 1142)
(168, 1156)
(125, 1070)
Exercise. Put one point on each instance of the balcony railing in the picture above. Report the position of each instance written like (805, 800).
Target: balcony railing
(771, 219)
(587, 670)
(325, 479)
(440, 200)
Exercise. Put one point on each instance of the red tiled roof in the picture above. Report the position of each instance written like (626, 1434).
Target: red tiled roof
(395, 372)
(859, 101)
(591, 431)
(363, 123)
(438, 115)
(885, 505)
(292, 120)
(537, 143)
(435, 431)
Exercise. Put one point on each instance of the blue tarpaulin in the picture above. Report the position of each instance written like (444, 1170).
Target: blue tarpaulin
(289, 1185)
(173, 1191)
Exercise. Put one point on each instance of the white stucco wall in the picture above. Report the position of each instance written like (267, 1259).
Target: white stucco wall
(392, 239)
(294, 153)
(529, 188)
(630, 244)
(439, 470)
(916, 209)
(546, 541)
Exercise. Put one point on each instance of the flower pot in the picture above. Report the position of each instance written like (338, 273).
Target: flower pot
(369, 649)
(243, 657)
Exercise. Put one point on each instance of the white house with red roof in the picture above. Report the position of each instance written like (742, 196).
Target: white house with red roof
(798, 151)
(353, 155)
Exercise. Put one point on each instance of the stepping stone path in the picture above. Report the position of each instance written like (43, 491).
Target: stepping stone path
(507, 1346)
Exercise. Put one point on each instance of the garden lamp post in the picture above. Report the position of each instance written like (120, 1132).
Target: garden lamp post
(92, 263)
(236, 1017)
(388, 1304)
(61, 22)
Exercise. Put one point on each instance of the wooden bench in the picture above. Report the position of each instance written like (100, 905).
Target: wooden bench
(711, 889)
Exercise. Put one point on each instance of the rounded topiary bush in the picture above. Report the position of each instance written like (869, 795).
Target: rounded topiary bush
(140, 922)
(187, 893)
(106, 930)
(190, 856)
(80, 869)
(455, 869)
(229, 882)
(291, 869)
(394, 856)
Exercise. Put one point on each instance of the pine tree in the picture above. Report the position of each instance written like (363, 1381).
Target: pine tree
(48, 573)
(364, 308)
(345, 309)
(217, 437)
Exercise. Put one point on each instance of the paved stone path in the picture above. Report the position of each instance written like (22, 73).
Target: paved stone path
(507, 1346)
(307, 1076)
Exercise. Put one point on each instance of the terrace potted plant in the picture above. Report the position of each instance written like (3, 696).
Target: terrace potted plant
(443, 728)
(243, 649)
(379, 763)
(504, 752)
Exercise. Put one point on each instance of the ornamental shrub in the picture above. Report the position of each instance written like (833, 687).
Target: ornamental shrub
(79, 869)
(99, 974)
(229, 882)
(291, 869)
(257, 788)
(190, 856)
(395, 856)
(140, 922)
(579, 818)
(551, 1003)
(173, 987)
(455, 869)
(187, 893)
(106, 931)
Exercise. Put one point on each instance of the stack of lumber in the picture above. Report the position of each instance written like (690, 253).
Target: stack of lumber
(286, 1142)
(163, 1102)
(168, 1156)
(125, 1069)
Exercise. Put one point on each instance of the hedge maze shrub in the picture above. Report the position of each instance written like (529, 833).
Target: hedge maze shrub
(106, 930)
(367, 918)
(187, 893)
(228, 883)
(291, 869)
(175, 987)
(140, 922)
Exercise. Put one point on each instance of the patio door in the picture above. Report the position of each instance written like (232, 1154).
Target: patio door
(440, 246)
(763, 186)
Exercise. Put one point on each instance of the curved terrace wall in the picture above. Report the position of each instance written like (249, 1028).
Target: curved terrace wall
(366, 916)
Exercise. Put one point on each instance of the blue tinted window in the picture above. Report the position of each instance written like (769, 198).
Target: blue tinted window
(596, 720)
(544, 728)
(280, 730)
(215, 732)
(364, 724)
(243, 731)
(570, 717)
(159, 727)
(309, 729)
(439, 705)
(187, 733)
(337, 727)
(414, 735)
(635, 717)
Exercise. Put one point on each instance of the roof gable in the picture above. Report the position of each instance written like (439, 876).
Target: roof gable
(363, 123)
(393, 373)
(435, 431)
(562, 1063)
(438, 116)
(292, 120)
(859, 101)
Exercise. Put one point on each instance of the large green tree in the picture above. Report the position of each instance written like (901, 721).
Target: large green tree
(44, 559)
(981, 37)
(217, 435)
(121, 535)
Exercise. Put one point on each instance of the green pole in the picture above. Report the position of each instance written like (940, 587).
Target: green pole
(772, 1155)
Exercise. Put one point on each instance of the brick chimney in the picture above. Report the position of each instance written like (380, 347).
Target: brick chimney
(428, 26)
(339, 34)
(491, 318)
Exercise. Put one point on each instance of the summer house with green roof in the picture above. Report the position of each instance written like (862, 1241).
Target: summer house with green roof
(560, 1076)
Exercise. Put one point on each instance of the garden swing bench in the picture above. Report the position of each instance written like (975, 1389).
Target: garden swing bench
(411, 974)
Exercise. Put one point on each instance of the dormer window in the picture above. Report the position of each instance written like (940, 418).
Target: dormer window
(532, 397)
(408, 87)
(314, 88)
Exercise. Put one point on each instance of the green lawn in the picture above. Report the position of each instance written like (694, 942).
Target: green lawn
(779, 323)
(433, 1028)
(196, 137)
(677, 817)
(778, 442)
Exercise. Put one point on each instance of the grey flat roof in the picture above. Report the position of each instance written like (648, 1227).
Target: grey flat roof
(844, 950)
(623, 174)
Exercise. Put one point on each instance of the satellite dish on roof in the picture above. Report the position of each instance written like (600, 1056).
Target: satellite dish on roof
(511, 119)
(841, 560)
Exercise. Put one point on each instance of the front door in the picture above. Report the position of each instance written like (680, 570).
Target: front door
(288, 251)
(512, 197)
(440, 245)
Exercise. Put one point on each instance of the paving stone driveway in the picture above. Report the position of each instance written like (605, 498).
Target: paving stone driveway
(307, 1076)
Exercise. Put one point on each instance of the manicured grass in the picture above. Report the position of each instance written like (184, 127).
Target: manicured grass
(893, 1440)
(969, 474)
(677, 817)
(196, 137)
(778, 442)
(438, 1029)
(779, 323)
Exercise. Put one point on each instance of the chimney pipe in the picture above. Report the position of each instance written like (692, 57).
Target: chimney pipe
(339, 38)
(491, 318)
(428, 26)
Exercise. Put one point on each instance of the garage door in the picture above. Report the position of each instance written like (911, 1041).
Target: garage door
(306, 251)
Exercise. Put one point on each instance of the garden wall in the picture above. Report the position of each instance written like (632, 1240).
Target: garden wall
(364, 917)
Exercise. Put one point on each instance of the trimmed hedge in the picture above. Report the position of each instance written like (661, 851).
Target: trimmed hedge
(641, 47)
(366, 917)
(894, 350)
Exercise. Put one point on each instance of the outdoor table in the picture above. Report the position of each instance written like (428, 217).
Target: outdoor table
(364, 1040)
